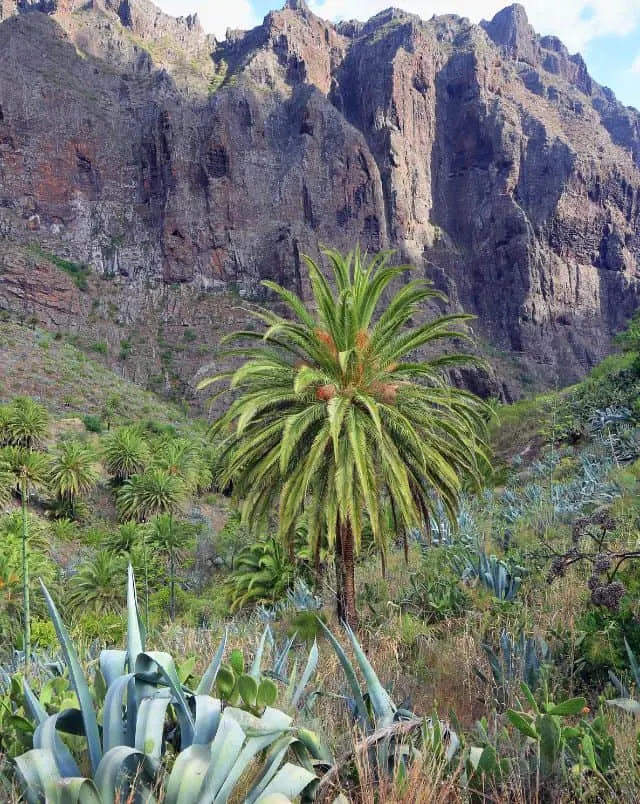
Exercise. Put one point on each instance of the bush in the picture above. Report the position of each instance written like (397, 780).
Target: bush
(92, 423)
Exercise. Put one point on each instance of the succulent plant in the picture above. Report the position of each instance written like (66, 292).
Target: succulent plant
(502, 580)
(148, 713)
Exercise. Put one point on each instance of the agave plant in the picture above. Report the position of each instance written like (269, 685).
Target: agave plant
(220, 751)
(626, 701)
(518, 658)
(500, 579)
(392, 734)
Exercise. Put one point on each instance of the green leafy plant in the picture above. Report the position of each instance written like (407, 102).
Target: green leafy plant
(586, 745)
(126, 453)
(262, 573)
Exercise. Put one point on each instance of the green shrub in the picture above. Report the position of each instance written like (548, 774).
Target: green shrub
(92, 423)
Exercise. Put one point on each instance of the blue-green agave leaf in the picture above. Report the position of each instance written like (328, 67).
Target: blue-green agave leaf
(208, 712)
(36, 769)
(46, 736)
(309, 670)
(73, 791)
(290, 781)
(150, 729)
(32, 703)
(349, 672)
(119, 768)
(208, 679)
(112, 665)
(274, 723)
(224, 752)
(115, 729)
(187, 776)
(382, 704)
(79, 683)
(257, 660)
(135, 629)
(156, 661)
(272, 762)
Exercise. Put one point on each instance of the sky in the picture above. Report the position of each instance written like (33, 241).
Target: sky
(606, 32)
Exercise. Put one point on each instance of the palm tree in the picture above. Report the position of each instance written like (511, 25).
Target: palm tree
(27, 423)
(153, 492)
(126, 453)
(97, 585)
(72, 472)
(172, 537)
(150, 494)
(123, 540)
(182, 458)
(335, 414)
(29, 470)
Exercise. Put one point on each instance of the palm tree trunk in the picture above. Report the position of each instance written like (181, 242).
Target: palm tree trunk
(345, 575)
(25, 576)
(340, 602)
(349, 583)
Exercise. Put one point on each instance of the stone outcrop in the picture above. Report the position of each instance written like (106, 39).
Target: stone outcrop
(176, 169)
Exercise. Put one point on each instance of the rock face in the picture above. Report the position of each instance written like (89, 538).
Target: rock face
(173, 173)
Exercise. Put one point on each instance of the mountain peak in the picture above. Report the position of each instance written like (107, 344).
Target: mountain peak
(510, 28)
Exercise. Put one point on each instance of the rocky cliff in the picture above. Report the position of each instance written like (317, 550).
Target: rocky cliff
(151, 176)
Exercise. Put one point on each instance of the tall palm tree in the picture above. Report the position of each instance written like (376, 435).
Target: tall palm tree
(153, 493)
(126, 453)
(27, 423)
(72, 472)
(335, 414)
(29, 470)
(172, 537)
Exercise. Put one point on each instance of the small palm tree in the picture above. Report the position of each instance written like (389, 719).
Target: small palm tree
(172, 537)
(125, 538)
(182, 458)
(29, 470)
(335, 415)
(72, 472)
(153, 493)
(27, 423)
(126, 453)
(98, 584)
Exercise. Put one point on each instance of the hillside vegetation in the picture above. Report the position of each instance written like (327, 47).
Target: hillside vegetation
(517, 627)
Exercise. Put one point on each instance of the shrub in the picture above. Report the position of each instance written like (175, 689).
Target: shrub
(92, 423)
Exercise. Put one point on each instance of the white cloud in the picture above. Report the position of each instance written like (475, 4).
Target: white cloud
(576, 22)
(635, 67)
(215, 17)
